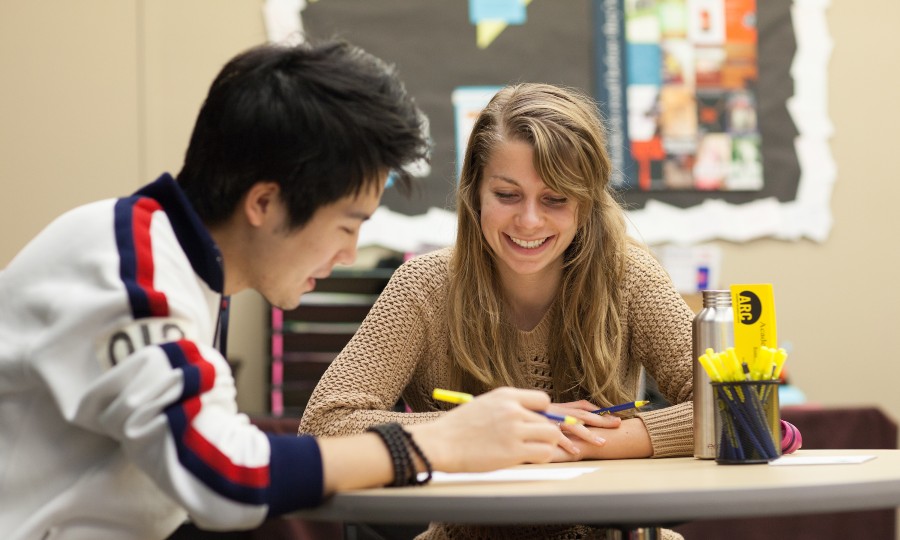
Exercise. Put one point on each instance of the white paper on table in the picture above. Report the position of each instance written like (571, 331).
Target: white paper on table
(819, 460)
(512, 475)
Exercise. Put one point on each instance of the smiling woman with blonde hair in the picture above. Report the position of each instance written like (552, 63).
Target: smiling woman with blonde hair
(570, 156)
(543, 290)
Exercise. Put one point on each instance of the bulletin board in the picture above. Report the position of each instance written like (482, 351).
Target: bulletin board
(760, 90)
(441, 46)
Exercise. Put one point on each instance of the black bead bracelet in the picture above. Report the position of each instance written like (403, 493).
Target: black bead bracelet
(415, 447)
(399, 442)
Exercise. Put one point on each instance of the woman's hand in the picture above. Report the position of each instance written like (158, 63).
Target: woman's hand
(628, 439)
(581, 410)
(495, 430)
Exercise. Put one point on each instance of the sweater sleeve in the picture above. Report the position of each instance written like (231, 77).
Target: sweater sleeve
(661, 340)
(366, 380)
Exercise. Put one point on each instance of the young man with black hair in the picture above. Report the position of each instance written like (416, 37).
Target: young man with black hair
(117, 412)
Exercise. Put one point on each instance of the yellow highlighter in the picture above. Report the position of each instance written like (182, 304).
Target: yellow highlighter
(449, 396)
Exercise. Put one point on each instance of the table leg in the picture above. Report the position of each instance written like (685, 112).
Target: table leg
(634, 533)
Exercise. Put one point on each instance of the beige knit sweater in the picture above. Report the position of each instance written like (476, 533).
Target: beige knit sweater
(401, 350)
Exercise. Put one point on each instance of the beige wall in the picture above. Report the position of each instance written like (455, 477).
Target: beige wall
(99, 97)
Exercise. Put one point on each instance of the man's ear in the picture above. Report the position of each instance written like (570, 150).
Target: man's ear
(259, 204)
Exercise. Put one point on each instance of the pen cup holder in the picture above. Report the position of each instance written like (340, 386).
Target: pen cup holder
(748, 420)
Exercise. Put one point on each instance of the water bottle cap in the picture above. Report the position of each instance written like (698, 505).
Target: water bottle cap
(716, 298)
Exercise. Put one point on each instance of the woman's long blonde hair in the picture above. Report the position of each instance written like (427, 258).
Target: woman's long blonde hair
(563, 126)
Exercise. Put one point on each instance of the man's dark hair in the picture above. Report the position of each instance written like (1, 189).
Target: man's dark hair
(322, 120)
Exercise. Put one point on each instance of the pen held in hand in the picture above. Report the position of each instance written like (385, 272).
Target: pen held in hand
(621, 407)
(450, 396)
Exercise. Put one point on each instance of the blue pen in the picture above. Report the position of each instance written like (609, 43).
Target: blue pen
(568, 420)
(622, 407)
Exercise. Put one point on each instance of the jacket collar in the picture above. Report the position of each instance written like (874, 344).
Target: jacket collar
(195, 240)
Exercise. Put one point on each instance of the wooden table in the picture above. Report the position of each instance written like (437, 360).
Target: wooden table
(636, 493)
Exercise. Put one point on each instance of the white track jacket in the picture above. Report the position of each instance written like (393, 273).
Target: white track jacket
(118, 417)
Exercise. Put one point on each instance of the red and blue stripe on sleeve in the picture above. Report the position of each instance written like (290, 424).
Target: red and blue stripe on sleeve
(206, 461)
(132, 227)
(298, 482)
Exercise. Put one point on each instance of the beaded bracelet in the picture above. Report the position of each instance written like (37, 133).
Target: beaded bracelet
(399, 442)
(421, 454)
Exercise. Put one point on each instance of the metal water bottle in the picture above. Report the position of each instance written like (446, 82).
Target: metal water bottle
(713, 329)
